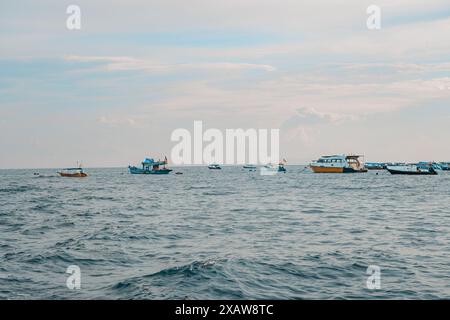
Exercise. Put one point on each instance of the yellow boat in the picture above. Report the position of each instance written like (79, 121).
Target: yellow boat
(338, 164)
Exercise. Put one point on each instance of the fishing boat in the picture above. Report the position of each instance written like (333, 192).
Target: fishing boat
(214, 166)
(411, 169)
(338, 164)
(73, 173)
(150, 166)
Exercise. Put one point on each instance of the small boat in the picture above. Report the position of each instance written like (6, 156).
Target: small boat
(73, 173)
(250, 167)
(445, 166)
(411, 169)
(281, 167)
(150, 166)
(270, 169)
(375, 166)
(338, 164)
(214, 166)
(426, 165)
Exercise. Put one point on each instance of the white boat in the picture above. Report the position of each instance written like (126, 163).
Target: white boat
(269, 170)
(338, 164)
(214, 166)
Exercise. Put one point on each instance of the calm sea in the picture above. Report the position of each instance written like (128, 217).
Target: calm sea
(228, 234)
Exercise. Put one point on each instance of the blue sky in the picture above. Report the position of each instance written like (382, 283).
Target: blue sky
(112, 93)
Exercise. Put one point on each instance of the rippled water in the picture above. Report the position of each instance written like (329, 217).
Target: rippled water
(228, 234)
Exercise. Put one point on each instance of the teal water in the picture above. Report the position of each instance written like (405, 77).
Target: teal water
(228, 234)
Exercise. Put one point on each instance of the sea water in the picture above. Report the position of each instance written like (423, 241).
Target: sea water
(224, 234)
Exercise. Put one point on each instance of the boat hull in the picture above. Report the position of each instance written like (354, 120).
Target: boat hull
(134, 170)
(317, 169)
(413, 173)
(73, 175)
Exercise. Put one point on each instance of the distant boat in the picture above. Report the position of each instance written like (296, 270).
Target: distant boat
(281, 167)
(426, 165)
(150, 166)
(250, 166)
(214, 166)
(375, 166)
(411, 169)
(445, 166)
(338, 164)
(73, 173)
(270, 168)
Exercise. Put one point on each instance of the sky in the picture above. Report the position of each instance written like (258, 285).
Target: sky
(112, 92)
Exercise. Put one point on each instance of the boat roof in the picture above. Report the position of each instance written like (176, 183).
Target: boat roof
(342, 156)
(156, 163)
(151, 161)
(334, 156)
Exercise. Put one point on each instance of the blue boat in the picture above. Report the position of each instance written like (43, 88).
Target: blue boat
(434, 165)
(150, 166)
(375, 165)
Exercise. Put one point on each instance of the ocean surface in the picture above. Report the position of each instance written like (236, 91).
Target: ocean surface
(229, 234)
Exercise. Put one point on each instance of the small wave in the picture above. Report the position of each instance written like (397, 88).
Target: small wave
(198, 187)
(218, 193)
(148, 285)
(313, 211)
(99, 198)
(18, 189)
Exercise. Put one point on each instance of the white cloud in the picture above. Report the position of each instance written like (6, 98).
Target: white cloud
(310, 116)
(133, 64)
